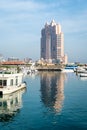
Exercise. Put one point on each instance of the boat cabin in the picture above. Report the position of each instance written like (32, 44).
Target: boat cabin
(7, 80)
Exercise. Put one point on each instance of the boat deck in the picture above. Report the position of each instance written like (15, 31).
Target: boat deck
(11, 89)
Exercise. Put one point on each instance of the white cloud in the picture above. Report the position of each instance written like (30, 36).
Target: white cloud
(30, 13)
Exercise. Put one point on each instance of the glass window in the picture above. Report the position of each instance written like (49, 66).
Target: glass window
(11, 82)
(1, 82)
(16, 81)
(4, 82)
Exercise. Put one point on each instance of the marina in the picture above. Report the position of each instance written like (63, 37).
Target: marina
(43, 65)
(52, 101)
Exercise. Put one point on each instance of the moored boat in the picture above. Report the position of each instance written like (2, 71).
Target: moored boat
(10, 82)
(80, 70)
(69, 68)
(83, 75)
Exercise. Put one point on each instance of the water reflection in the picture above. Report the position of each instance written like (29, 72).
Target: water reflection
(83, 78)
(10, 105)
(52, 89)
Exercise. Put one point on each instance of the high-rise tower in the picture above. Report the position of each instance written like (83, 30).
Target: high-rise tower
(52, 43)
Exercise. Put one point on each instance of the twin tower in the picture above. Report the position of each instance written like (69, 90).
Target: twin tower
(52, 43)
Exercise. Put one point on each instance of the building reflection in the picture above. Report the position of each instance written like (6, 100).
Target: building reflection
(10, 105)
(52, 89)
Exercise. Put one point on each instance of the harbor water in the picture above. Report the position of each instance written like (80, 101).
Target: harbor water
(51, 101)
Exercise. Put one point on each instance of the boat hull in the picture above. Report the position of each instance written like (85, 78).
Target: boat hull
(67, 70)
(9, 90)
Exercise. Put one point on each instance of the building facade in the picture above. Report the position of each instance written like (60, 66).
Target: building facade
(52, 43)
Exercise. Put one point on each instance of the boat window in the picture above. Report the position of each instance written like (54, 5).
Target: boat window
(4, 82)
(16, 81)
(0, 82)
(11, 82)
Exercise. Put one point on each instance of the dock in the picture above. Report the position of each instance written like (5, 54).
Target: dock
(50, 67)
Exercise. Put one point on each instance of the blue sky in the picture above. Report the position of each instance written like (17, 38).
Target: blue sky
(21, 22)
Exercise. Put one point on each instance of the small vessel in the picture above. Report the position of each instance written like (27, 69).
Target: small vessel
(69, 68)
(83, 75)
(29, 70)
(80, 70)
(10, 82)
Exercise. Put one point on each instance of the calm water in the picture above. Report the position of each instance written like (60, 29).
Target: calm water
(52, 101)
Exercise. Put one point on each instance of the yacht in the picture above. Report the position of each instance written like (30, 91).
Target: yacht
(83, 74)
(69, 68)
(10, 82)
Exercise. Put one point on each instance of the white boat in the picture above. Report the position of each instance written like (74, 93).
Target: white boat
(69, 68)
(10, 82)
(83, 75)
(28, 70)
(80, 70)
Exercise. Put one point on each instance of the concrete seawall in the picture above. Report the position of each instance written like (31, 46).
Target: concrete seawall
(50, 68)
